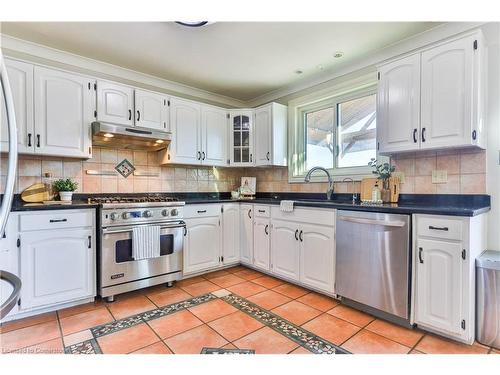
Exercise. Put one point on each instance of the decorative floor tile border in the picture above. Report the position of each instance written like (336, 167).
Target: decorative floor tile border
(86, 347)
(304, 338)
(131, 321)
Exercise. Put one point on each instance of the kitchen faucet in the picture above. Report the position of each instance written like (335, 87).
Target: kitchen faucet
(329, 191)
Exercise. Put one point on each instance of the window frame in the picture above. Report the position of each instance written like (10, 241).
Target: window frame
(298, 134)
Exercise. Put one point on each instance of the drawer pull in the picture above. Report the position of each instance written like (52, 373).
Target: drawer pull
(438, 228)
(262, 211)
(202, 211)
(58, 220)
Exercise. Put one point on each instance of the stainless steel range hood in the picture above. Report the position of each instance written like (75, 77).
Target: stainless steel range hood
(135, 138)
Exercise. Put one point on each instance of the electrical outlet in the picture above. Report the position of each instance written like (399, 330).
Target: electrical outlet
(401, 176)
(439, 176)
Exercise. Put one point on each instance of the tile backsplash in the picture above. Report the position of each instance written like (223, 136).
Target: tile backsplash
(466, 170)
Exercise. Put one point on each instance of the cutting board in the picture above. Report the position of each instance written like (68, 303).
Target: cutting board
(37, 193)
(367, 185)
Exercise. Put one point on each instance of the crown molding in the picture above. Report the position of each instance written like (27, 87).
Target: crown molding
(23, 49)
(401, 47)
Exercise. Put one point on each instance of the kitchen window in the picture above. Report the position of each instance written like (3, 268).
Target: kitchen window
(338, 133)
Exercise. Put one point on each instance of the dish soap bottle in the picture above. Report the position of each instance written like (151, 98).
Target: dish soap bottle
(376, 194)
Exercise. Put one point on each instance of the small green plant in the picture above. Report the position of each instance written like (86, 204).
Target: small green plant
(65, 185)
(383, 171)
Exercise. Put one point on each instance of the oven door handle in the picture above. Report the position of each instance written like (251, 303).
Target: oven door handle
(180, 224)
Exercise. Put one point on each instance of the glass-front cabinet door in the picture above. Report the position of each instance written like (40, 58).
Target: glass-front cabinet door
(242, 138)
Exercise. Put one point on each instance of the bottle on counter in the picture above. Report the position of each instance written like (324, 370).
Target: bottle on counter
(376, 193)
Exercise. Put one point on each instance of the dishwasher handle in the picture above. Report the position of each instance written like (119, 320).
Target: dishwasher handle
(360, 220)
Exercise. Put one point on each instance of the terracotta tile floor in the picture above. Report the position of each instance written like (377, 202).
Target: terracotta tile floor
(218, 324)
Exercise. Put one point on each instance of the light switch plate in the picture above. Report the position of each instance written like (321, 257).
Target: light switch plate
(401, 176)
(439, 176)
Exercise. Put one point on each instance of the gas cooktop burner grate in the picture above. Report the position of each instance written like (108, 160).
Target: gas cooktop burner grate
(138, 199)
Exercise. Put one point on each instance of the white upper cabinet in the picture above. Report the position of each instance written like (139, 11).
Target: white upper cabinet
(185, 120)
(115, 103)
(151, 110)
(64, 110)
(447, 94)
(213, 137)
(398, 105)
(433, 99)
(241, 138)
(21, 82)
(271, 135)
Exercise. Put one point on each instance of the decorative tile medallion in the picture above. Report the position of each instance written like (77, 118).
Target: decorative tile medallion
(85, 347)
(226, 351)
(125, 168)
(301, 336)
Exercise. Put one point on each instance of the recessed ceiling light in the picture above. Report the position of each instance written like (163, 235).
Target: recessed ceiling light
(159, 141)
(320, 67)
(193, 23)
(108, 135)
(298, 71)
(338, 54)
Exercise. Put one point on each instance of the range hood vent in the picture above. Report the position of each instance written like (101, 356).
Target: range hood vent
(134, 138)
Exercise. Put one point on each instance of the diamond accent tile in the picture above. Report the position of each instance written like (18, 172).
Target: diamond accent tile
(125, 168)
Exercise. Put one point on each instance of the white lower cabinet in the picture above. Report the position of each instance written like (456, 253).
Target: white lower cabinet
(445, 250)
(57, 264)
(230, 233)
(261, 243)
(246, 234)
(317, 256)
(285, 249)
(202, 244)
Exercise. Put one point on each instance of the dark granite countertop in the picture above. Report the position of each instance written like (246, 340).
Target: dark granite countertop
(435, 204)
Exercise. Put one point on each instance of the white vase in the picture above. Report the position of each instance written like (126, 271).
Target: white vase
(66, 195)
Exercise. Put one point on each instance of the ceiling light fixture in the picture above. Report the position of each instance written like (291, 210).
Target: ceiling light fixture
(192, 23)
(338, 54)
(298, 71)
(108, 135)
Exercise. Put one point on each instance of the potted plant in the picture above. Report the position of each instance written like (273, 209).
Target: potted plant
(384, 172)
(65, 188)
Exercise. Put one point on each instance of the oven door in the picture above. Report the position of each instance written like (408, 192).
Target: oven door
(117, 265)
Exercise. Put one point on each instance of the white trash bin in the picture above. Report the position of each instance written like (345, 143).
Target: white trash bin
(488, 298)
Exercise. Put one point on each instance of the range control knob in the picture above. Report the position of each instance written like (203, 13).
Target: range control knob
(147, 213)
(126, 215)
(165, 213)
(113, 216)
(174, 212)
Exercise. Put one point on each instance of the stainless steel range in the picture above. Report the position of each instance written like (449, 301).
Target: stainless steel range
(118, 271)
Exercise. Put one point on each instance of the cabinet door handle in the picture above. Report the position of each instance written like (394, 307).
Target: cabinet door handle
(38, 140)
(296, 235)
(420, 259)
(300, 236)
(445, 229)
(129, 114)
(89, 243)
(138, 115)
(415, 135)
(267, 156)
(198, 155)
(423, 134)
(185, 231)
(58, 220)
(203, 155)
(266, 229)
(202, 211)
(250, 213)
(250, 158)
(29, 139)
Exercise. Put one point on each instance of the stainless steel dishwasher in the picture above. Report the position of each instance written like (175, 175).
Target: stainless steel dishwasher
(373, 263)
